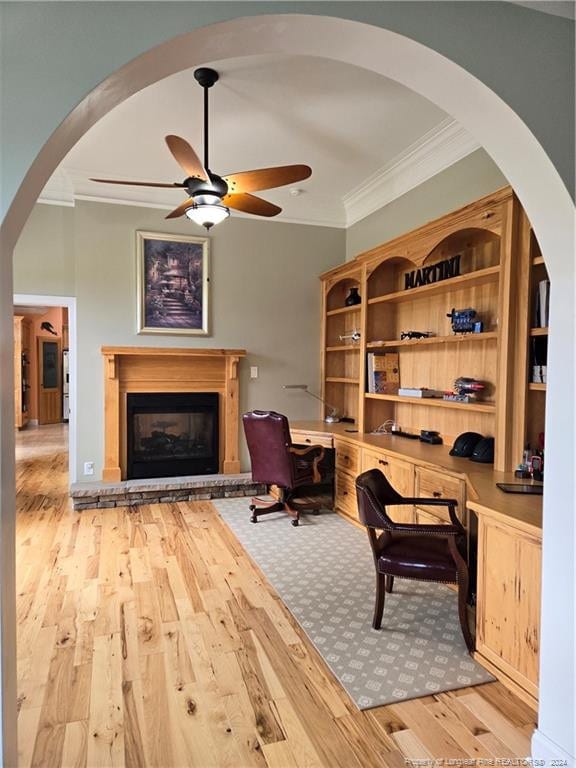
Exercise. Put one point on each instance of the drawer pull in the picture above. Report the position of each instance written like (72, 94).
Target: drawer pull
(436, 494)
(344, 493)
(346, 459)
(307, 440)
(383, 462)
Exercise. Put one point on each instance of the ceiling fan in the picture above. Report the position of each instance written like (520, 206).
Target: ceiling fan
(211, 196)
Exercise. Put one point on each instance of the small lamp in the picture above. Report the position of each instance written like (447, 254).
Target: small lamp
(333, 417)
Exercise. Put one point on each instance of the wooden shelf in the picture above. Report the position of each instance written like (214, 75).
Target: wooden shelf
(340, 380)
(537, 387)
(539, 331)
(537, 260)
(343, 310)
(479, 277)
(344, 348)
(436, 403)
(456, 339)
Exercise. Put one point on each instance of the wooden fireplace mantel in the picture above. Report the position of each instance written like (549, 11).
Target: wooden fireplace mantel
(163, 369)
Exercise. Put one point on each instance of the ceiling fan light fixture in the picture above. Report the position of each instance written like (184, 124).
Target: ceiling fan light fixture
(207, 214)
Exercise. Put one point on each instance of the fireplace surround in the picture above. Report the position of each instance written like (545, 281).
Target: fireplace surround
(163, 370)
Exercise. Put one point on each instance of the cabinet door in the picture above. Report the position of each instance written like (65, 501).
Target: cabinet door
(400, 475)
(508, 615)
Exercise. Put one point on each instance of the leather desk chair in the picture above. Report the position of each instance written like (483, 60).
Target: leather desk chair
(276, 461)
(425, 552)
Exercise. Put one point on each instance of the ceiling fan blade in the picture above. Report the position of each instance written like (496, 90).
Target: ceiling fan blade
(174, 185)
(181, 210)
(251, 204)
(266, 178)
(186, 157)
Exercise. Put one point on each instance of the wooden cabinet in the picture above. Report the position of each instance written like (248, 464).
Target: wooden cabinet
(22, 341)
(399, 473)
(432, 484)
(347, 463)
(508, 611)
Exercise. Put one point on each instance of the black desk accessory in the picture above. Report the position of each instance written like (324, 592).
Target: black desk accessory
(399, 433)
(535, 490)
(430, 436)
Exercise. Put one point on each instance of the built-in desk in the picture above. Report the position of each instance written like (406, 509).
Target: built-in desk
(509, 534)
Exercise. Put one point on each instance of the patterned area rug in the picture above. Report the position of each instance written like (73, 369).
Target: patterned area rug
(324, 573)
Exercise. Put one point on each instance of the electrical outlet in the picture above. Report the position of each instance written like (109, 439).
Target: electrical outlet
(253, 371)
(88, 467)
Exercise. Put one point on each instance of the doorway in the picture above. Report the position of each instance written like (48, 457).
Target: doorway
(45, 367)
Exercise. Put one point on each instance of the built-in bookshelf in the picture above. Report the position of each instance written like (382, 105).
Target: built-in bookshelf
(498, 267)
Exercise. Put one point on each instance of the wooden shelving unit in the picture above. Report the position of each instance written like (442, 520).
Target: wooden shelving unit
(433, 340)
(536, 387)
(499, 265)
(341, 380)
(477, 277)
(343, 348)
(435, 402)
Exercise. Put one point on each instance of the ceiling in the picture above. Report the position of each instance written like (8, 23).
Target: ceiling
(348, 124)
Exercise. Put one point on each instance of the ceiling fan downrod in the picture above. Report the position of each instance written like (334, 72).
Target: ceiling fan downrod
(206, 77)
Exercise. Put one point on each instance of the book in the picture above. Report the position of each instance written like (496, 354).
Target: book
(419, 392)
(382, 373)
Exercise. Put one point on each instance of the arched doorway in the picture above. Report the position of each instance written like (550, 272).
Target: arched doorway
(480, 111)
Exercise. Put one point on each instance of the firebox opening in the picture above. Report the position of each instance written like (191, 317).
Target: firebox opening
(172, 434)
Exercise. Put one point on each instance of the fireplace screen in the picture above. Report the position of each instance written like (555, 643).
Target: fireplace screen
(172, 435)
(159, 436)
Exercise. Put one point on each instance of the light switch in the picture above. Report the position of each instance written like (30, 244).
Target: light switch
(253, 371)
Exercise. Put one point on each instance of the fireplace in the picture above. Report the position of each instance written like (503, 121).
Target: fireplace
(172, 434)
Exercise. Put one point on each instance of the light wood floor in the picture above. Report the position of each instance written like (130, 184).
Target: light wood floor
(150, 639)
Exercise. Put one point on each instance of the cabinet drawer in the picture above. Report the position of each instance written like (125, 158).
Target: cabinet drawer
(307, 438)
(347, 458)
(430, 484)
(346, 495)
(400, 475)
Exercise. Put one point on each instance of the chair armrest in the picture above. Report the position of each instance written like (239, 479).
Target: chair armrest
(436, 502)
(302, 453)
(450, 503)
(429, 530)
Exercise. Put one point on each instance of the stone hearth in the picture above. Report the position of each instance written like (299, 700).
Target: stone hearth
(133, 493)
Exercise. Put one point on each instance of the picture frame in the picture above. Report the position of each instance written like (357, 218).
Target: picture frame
(172, 284)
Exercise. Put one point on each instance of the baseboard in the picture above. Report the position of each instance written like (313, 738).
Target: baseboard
(544, 748)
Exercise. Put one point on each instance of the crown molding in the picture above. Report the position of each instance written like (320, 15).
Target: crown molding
(435, 151)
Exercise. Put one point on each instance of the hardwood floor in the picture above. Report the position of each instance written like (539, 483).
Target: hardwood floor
(149, 638)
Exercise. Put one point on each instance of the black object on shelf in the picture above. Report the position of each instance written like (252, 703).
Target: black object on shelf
(430, 436)
(353, 298)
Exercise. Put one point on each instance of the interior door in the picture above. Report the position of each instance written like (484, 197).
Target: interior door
(49, 380)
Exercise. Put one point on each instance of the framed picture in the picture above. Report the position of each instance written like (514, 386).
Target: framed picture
(173, 283)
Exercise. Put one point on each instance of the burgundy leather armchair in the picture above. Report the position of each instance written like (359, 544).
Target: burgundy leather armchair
(426, 552)
(277, 461)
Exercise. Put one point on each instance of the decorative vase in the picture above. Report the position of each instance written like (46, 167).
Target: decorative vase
(353, 298)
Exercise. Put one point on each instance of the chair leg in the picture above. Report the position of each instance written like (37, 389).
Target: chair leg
(261, 507)
(379, 605)
(463, 611)
(389, 583)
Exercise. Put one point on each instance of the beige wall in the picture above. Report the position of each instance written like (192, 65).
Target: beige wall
(264, 297)
(462, 183)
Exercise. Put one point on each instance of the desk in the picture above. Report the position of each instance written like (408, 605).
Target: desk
(509, 534)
